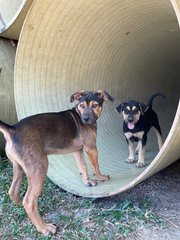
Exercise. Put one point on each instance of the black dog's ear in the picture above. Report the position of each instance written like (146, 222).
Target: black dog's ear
(143, 107)
(120, 107)
(104, 95)
(77, 95)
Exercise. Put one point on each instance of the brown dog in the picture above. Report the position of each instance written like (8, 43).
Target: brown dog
(30, 141)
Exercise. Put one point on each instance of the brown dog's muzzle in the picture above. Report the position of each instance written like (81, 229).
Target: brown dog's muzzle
(88, 116)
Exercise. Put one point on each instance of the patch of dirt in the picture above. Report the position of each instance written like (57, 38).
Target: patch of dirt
(163, 191)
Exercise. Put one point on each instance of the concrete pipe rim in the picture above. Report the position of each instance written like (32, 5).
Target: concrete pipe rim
(57, 40)
(13, 17)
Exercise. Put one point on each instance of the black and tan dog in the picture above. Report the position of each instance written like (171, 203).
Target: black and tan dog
(138, 119)
(30, 141)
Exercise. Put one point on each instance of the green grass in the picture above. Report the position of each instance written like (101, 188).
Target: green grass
(76, 217)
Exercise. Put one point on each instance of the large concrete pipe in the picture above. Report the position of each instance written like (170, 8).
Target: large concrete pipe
(176, 6)
(7, 103)
(129, 48)
(12, 15)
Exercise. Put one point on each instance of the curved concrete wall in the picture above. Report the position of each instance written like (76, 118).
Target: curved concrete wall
(129, 48)
(12, 15)
(7, 103)
(176, 6)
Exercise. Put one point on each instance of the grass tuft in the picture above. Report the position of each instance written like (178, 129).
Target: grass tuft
(76, 217)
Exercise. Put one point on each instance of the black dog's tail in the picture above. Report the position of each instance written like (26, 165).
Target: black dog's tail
(150, 101)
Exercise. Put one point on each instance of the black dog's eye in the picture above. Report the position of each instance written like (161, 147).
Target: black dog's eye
(95, 105)
(126, 111)
(135, 111)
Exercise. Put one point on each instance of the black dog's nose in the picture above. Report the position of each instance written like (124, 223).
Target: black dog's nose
(130, 119)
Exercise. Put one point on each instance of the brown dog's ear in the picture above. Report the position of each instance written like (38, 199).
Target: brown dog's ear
(103, 94)
(77, 95)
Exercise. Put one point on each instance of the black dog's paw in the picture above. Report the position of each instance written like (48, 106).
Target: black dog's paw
(140, 164)
(136, 151)
(130, 160)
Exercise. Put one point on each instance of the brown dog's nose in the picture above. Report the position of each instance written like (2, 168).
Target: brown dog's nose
(86, 118)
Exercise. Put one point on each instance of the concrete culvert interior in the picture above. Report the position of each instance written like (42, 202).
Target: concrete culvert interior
(12, 14)
(131, 49)
(7, 104)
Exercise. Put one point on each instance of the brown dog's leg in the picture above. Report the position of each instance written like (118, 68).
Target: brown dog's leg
(79, 156)
(18, 175)
(93, 157)
(36, 174)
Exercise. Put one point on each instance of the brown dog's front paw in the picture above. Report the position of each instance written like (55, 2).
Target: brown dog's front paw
(140, 164)
(130, 160)
(47, 229)
(102, 178)
(90, 182)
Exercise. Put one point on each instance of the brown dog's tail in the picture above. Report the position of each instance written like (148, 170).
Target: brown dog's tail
(150, 100)
(5, 128)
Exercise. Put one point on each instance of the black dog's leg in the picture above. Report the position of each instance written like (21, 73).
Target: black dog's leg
(131, 157)
(157, 130)
(137, 148)
(142, 150)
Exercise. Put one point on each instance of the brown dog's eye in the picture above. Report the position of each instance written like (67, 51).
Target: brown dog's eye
(82, 105)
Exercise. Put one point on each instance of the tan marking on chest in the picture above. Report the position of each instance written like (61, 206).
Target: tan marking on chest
(128, 135)
(138, 135)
